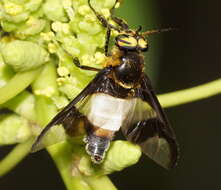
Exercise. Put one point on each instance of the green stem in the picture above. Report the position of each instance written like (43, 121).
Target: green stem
(100, 183)
(15, 156)
(62, 156)
(17, 84)
(191, 94)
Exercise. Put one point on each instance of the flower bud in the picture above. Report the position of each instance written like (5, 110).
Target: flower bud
(23, 55)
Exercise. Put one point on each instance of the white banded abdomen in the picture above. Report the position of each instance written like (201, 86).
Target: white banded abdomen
(109, 112)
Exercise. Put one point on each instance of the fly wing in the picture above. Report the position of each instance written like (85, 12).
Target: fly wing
(148, 126)
(69, 117)
(56, 129)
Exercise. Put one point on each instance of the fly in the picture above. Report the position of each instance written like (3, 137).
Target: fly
(120, 97)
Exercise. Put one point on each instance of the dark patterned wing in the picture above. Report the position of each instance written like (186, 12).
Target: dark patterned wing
(149, 127)
(69, 116)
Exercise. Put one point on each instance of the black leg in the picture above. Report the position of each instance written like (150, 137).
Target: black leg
(107, 42)
(77, 63)
(120, 22)
(105, 24)
(109, 26)
(103, 21)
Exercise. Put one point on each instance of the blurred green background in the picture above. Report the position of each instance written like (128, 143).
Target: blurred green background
(177, 60)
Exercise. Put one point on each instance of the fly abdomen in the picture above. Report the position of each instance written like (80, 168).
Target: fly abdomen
(96, 147)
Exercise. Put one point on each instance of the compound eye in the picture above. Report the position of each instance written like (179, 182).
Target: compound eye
(126, 42)
(142, 44)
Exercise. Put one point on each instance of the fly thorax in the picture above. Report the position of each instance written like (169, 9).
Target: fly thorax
(129, 71)
(96, 147)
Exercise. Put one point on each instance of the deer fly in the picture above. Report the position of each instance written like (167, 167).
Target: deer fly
(120, 97)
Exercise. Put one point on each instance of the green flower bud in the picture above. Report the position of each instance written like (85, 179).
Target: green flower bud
(9, 26)
(13, 12)
(68, 86)
(31, 27)
(5, 72)
(23, 55)
(19, 1)
(13, 129)
(60, 27)
(54, 10)
(121, 155)
(72, 46)
(86, 27)
(60, 101)
(46, 84)
(17, 11)
(23, 104)
(12, 8)
(32, 5)
(104, 4)
(67, 4)
(17, 18)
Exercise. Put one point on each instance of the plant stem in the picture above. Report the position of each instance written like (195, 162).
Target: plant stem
(17, 84)
(62, 155)
(191, 94)
(100, 182)
(15, 156)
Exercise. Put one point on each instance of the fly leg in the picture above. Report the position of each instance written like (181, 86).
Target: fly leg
(109, 26)
(101, 18)
(84, 67)
(107, 42)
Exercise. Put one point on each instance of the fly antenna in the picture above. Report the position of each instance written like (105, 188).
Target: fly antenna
(157, 31)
